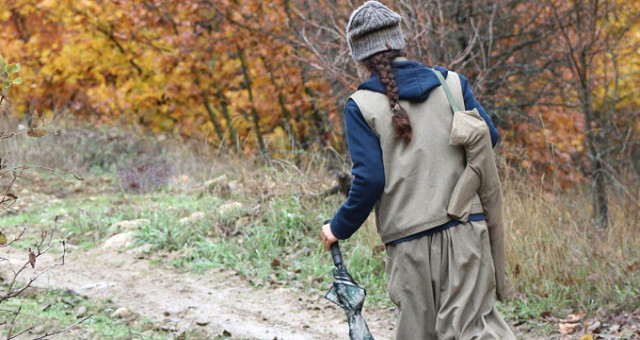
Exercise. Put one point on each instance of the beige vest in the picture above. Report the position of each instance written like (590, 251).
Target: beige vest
(419, 176)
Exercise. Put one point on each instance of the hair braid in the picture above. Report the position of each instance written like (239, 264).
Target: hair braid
(380, 63)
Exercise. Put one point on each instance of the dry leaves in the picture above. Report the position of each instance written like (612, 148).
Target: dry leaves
(578, 326)
(32, 259)
(571, 323)
(568, 328)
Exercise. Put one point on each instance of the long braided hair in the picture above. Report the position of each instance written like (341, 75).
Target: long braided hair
(380, 63)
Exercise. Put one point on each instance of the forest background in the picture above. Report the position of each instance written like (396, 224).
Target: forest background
(260, 78)
(267, 81)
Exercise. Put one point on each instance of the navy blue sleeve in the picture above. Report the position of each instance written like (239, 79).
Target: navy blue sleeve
(471, 103)
(368, 172)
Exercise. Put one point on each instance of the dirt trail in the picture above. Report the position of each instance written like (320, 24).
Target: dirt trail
(219, 300)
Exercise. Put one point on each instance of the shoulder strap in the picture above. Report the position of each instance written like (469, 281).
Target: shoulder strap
(447, 91)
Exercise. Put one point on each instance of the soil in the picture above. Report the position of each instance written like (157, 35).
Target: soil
(220, 302)
(216, 302)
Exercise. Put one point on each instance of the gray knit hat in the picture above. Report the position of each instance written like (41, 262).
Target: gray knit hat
(373, 28)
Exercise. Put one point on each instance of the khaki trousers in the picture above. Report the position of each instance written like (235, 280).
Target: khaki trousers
(444, 286)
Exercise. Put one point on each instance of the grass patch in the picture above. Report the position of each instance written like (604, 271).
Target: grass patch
(276, 243)
(53, 310)
(560, 263)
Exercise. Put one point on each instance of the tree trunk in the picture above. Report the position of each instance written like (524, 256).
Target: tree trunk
(210, 113)
(599, 193)
(227, 115)
(286, 122)
(598, 176)
(254, 112)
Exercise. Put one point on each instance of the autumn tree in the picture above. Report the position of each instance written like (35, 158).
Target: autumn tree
(219, 68)
(263, 77)
(498, 45)
(592, 36)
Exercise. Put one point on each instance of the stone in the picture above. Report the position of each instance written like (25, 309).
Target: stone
(202, 322)
(81, 312)
(229, 208)
(142, 251)
(127, 225)
(119, 241)
(120, 313)
(212, 183)
(198, 215)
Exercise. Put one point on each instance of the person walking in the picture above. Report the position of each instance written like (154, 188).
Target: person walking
(440, 271)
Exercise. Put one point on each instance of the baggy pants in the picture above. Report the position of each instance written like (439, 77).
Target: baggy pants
(444, 284)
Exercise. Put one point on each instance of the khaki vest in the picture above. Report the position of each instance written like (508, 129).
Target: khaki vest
(421, 175)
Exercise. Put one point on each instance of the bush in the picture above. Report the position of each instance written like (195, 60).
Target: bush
(16, 284)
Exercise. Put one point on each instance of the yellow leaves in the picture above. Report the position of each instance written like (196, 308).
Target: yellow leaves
(47, 4)
(159, 78)
(5, 14)
(117, 13)
(278, 139)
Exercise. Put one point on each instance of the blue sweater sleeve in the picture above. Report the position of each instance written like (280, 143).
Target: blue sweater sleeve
(368, 172)
(471, 103)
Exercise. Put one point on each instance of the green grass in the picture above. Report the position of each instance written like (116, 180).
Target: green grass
(54, 310)
(277, 243)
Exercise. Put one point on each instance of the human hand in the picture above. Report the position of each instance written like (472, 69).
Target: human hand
(327, 236)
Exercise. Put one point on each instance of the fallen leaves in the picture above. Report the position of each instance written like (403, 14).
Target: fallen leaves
(578, 326)
(568, 328)
(32, 259)
(571, 323)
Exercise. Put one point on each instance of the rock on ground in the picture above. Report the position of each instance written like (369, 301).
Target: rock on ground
(118, 242)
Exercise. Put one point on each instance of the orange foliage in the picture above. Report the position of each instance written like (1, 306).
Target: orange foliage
(264, 76)
(193, 67)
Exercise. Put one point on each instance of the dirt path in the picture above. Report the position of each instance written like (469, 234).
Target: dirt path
(218, 301)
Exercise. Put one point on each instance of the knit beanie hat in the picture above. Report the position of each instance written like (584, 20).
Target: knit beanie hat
(373, 28)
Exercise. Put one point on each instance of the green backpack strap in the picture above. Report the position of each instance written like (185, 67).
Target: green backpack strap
(443, 82)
